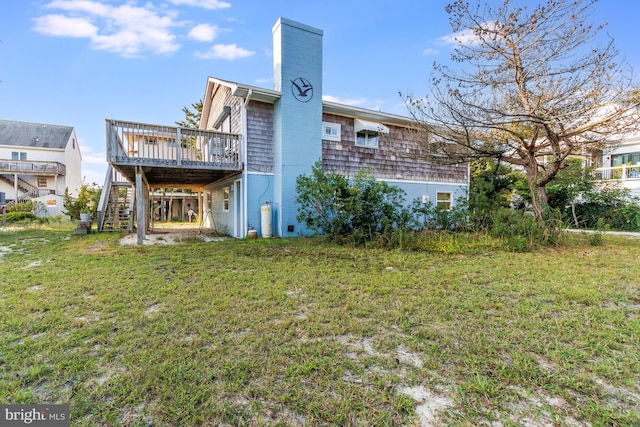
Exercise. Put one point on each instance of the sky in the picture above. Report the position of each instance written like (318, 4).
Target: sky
(80, 62)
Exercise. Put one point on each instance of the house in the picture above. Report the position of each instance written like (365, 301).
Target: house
(619, 162)
(38, 162)
(253, 143)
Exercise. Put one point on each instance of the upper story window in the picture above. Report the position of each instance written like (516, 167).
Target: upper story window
(625, 159)
(367, 139)
(331, 131)
(368, 133)
(18, 155)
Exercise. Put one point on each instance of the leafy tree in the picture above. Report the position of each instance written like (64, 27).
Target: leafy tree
(191, 118)
(86, 202)
(490, 187)
(532, 88)
(191, 121)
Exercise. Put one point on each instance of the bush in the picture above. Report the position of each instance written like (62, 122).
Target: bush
(86, 202)
(14, 217)
(522, 231)
(21, 207)
(351, 212)
(613, 206)
(426, 216)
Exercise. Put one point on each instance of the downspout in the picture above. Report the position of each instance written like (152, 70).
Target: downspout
(245, 177)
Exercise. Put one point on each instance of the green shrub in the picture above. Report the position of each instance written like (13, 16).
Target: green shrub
(15, 217)
(21, 207)
(350, 212)
(426, 216)
(86, 202)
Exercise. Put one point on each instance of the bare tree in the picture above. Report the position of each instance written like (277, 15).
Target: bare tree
(530, 87)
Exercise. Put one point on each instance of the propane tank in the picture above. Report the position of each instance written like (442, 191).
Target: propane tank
(265, 219)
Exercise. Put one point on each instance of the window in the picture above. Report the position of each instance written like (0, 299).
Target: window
(367, 138)
(42, 181)
(443, 200)
(627, 158)
(152, 141)
(225, 199)
(15, 155)
(331, 131)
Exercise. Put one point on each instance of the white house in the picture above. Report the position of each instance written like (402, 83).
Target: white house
(619, 162)
(38, 162)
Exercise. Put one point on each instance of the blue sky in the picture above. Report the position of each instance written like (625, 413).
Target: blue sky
(79, 62)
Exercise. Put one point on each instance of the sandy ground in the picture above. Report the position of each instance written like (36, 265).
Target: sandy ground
(169, 238)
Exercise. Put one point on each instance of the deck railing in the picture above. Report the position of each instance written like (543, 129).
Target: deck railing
(622, 173)
(139, 143)
(32, 167)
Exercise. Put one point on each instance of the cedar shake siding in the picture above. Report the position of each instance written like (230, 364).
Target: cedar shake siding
(260, 137)
(398, 156)
(221, 97)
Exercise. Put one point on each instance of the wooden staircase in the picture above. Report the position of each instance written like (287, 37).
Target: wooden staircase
(116, 203)
(28, 191)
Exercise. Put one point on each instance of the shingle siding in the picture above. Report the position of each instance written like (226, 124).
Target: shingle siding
(260, 137)
(398, 156)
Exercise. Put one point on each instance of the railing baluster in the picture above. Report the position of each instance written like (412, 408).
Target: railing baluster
(139, 142)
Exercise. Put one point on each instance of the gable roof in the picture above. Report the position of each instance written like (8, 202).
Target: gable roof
(34, 135)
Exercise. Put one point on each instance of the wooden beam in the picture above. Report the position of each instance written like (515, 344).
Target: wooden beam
(142, 205)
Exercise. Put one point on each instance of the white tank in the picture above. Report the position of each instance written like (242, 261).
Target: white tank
(265, 219)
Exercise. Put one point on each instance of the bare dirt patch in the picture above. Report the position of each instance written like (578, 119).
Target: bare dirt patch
(168, 238)
(429, 405)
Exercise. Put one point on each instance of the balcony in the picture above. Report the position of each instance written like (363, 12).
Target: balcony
(172, 157)
(620, 173)
(25, 167)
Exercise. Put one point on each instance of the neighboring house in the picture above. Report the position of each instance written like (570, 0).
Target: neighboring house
(253, 143)
(37, 162)
(620, 162)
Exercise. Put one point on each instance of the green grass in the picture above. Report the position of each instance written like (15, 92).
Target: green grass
(293, 332)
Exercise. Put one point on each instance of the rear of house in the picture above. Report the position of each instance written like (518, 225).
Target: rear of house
(254, 142)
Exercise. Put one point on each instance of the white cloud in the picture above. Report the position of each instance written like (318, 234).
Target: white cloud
(430, 51)
(86, 6)
(356, 102)
(60, 25)
(466, 37)
(94, 164)
(127, 30)
(206, 4)
(204, 32)
(263, 80)
(225, 51)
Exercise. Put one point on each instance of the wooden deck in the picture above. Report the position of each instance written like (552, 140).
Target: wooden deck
(172, 157)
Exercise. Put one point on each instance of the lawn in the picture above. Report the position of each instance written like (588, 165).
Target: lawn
(300, 332)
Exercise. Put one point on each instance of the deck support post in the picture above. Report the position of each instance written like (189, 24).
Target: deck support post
(142, 205)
